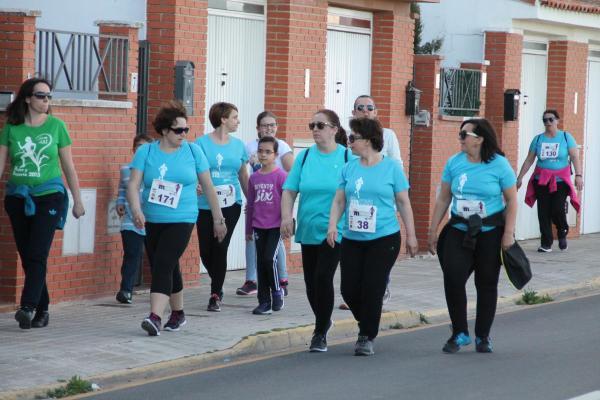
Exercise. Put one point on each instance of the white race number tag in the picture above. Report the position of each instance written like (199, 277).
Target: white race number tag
(549, 151)
(165, 193)
(226, 195)
(362, 217)
(466, 208)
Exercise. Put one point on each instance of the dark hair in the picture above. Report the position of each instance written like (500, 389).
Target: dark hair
(269, 139)
(264, 114)
(15, 112)
(333, 119)
(369, 129)
(218, 111)
(551, 111)
(489, 147)
(167, 114)
(364, 96)
(142, 138)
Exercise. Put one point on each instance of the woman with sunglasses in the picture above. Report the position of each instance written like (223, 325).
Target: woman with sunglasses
(368, 191)
(315, 176)
(481, 185)
(170, 168)
(36, 201)
(227, 159)
(550, 183)
(266, 125)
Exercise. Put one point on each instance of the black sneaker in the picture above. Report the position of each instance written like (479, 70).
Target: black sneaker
(124, 297)
(214, 303)
(24, 317)
(152, 325)
(278, 302)
(363, 346)
(456, 342)
(318, 343)
(40, 319)
(562, 244)
(263, 309)
(483, 345)
(284, 286)
(175, 322)
(544, 249)
(247, 289)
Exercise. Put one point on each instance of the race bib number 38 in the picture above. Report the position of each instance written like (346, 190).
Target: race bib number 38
(165, 193)
(362, 217)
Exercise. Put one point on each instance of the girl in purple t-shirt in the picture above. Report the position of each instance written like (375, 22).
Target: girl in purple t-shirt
(263, 218)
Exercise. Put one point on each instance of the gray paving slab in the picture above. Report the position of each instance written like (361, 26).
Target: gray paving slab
(99, 336)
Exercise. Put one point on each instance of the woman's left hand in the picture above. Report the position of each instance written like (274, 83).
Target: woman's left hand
(332, 235)
(579, 183)
(78, 210)
(507, 240)
(412, 246)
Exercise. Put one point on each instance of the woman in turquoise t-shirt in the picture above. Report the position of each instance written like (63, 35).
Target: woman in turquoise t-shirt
(36, 200)
(554, 150)
(227, 160)
(170, 169)
(481, 185)
(369, 191)
(315, 176)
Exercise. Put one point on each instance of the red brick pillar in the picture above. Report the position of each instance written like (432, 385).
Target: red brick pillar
(296, 41)
(567, 74)
(130, 32)
(177, 30)
(504, 52)
(17, 63)
(391, 70)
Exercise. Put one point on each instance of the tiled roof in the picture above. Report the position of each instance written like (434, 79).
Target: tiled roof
(583, 6)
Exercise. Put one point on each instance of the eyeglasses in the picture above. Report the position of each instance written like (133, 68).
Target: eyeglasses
(267, 152)
(180, 131)
(353, 138)
(361, 107)
(266, 126)
(548, 120)
(463, 134)
(42, 95)
(319, 125)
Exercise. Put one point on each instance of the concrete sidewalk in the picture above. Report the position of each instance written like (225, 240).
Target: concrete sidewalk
(102, 337)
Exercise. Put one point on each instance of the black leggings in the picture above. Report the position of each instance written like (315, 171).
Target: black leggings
(319, 262)
(213, 253)
(33, 236)
(366, 265)
(459, 263)
(267, 245)
(551, 209)
(165, 244)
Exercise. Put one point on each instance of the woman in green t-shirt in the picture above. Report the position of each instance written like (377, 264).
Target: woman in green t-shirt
(36, 202)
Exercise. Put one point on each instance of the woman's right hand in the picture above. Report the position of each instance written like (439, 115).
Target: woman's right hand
(519, 183)
(432, 242)
(219, 231)
(287, 228)
(332, 235)
(139, 220)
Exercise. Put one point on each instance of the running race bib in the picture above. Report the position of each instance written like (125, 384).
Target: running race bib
(165, 193)
(549, 150)
(226, 195)
(466, 208)
(362, 217)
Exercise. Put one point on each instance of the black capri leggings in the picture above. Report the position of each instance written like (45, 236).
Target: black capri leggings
(165, 244)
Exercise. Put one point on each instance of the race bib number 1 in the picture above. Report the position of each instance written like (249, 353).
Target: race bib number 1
(226, 195)
(165, 193)
(362, 218)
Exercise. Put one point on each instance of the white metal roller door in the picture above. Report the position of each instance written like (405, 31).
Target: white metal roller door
(591, 191)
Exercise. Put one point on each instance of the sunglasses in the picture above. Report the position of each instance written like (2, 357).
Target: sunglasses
(353, 138)
(180, 131)
(361, 107)
(463, 134)
(550, 120)
(42, 95)
(319, 125)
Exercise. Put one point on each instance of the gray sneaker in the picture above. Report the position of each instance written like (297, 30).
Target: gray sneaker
(318, 344)
(363, 346)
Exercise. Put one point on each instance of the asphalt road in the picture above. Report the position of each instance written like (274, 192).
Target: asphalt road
(545, 352)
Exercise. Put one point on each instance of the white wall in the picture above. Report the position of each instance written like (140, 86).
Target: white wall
(462, 23)
(79, 15)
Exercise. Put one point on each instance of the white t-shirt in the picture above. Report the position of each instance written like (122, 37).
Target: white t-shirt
(391, 148)
(252, 148)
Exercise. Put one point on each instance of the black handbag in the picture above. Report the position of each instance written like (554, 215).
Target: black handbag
(516, 265)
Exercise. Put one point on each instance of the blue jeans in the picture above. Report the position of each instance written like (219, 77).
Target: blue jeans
(251, 261)
(133, 251)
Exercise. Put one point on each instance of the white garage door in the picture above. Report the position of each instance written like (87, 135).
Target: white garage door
(591, 191)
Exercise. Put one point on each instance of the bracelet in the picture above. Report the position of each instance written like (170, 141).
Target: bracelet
(578, 175)
(220, 221)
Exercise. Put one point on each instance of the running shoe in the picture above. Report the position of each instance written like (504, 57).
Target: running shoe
(456, 342)
(284, 286)
(175, 322)
(363, 346)
(214, 303)
(247, 289)
(483, 344)
(24, 317)
(278, 302)
(152, 325)
(562, 244)
(544, 249)
(263, 309)
(318, 343)
(124, 297)
(40, 319)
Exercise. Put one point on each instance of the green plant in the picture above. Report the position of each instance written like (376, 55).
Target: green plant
(530, 297)
(423, 318)
(74, 386)
(431, 47)
(397, 325)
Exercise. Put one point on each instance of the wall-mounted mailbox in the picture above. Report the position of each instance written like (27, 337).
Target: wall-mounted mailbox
(5, 99)
(512, 98)
(184, 84)
(413, 95)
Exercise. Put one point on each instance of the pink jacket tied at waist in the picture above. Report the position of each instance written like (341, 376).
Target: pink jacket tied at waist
(548, 177)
